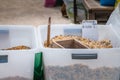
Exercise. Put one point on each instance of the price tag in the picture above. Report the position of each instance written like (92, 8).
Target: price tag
(89, 29)
(4, 39)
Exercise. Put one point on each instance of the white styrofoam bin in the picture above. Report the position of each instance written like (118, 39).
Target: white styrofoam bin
(18, 64)
(80, 64)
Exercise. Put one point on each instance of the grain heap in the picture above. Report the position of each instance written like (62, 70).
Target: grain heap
(21, 47)
(87, 42)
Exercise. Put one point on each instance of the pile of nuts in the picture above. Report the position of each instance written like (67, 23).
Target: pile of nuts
(96, 44)
(21, 47)
(87, 42)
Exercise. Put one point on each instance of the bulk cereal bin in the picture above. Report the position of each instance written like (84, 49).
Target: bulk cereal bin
(80, 64)
(19, 45)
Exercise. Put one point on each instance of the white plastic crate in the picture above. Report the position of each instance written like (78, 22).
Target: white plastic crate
(18, 64)
(116, 29)
(80, 64)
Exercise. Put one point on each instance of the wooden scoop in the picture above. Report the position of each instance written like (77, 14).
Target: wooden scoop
(68, 43)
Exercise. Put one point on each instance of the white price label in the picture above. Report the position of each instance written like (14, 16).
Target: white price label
(89, 29)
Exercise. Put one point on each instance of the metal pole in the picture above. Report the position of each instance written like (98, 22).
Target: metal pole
(75, 11)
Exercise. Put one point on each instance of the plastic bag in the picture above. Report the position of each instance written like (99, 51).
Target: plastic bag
(114, 19)
(38, 67)
(117, 2)
(81, 12)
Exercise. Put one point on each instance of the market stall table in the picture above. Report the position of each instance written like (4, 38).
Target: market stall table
(97, 12)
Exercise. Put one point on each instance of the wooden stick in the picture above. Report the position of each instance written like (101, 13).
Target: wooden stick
(48, 32)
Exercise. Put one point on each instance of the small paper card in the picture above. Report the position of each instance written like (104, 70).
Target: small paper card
(4, 39)
(89, 29)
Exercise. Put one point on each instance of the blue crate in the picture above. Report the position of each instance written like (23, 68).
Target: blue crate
(107, 2)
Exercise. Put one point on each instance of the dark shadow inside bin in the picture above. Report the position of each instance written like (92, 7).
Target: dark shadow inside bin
(70, 43)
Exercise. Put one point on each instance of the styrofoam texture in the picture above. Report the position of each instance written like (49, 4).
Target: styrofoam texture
(62, 57)
(20, 62)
